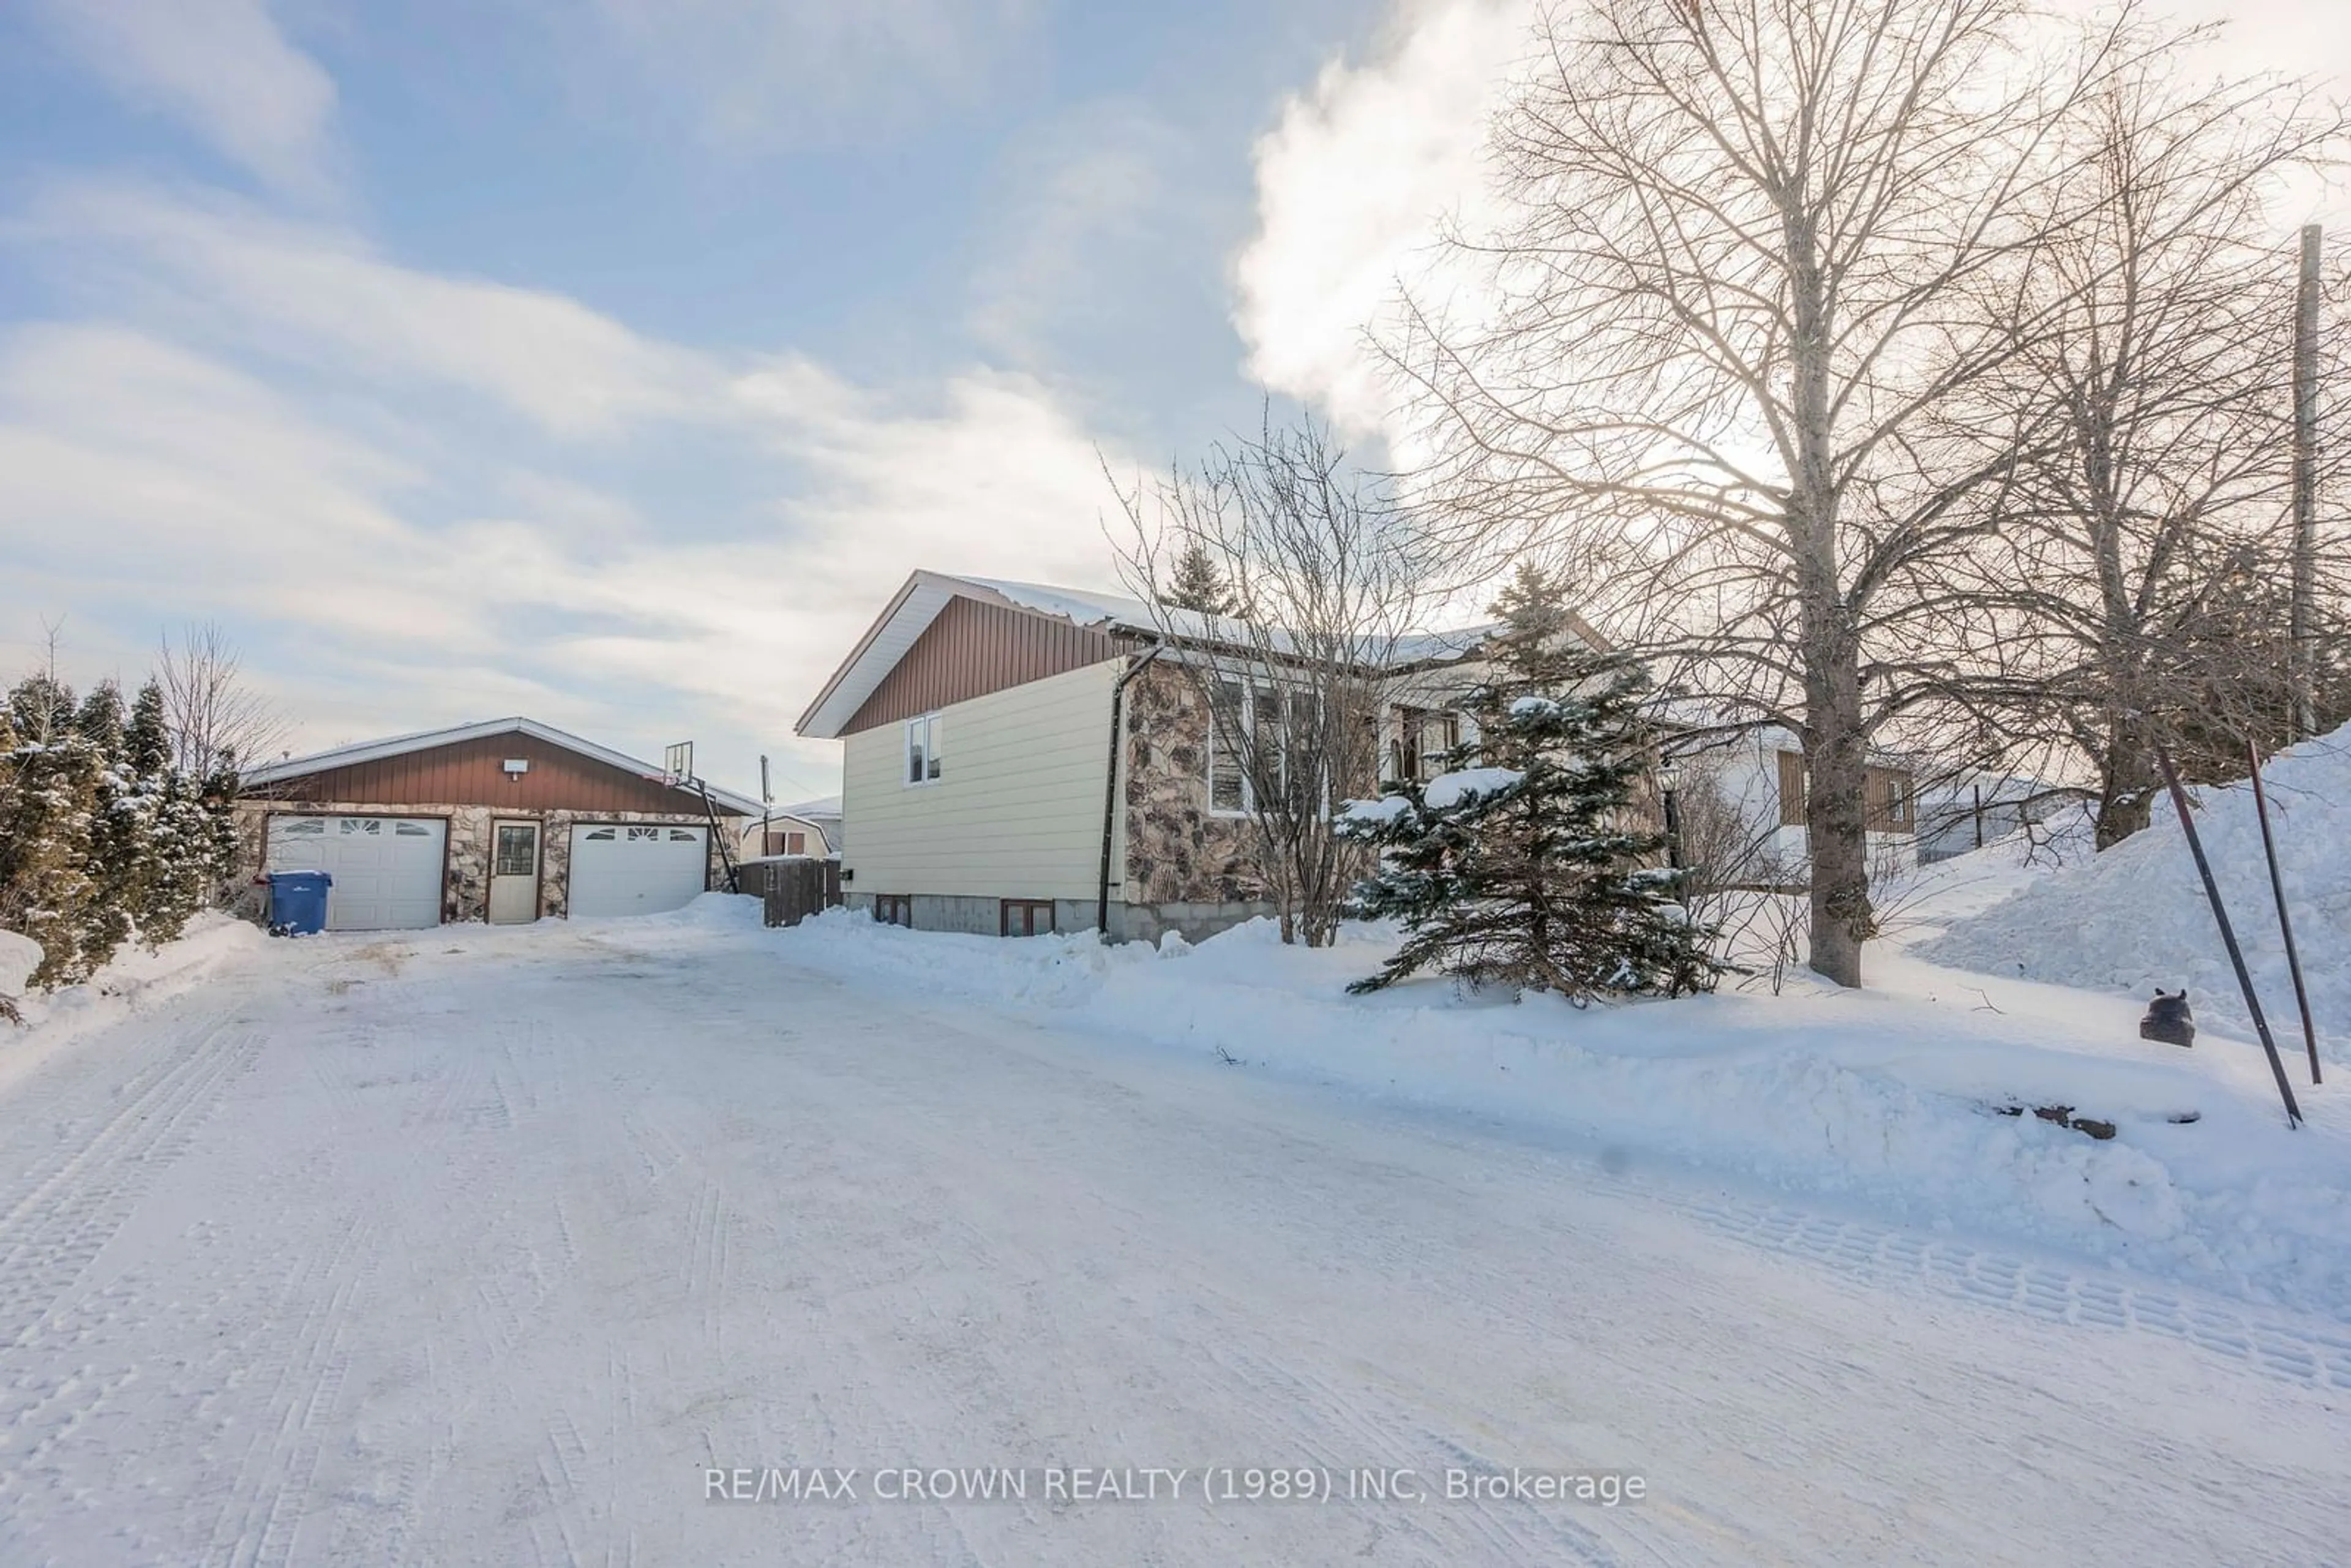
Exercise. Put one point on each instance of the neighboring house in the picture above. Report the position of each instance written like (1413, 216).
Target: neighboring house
(508, 821)
(1739, 803)
(810, 828)
(977, 789)
(1970, 811)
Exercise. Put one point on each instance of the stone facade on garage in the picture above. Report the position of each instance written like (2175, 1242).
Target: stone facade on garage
(461, 778)
(465, 877)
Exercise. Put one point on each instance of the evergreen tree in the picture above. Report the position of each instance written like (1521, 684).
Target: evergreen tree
(47, 891)
(147, 738)
(1525, 862)
(1197, 584)
(102, 838)
(121, 856)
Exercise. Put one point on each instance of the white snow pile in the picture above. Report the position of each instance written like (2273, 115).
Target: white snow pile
(137, 977)
(2136, 918)
(1447, 791)
(1892, 1102)
(1386, 808)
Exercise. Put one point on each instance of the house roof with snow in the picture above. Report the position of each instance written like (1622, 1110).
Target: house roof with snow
(254, 778)
(1109, 623)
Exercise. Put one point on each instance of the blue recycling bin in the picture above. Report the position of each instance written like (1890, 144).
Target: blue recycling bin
(298, 902)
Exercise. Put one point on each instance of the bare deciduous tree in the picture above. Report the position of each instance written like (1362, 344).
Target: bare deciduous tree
(2128, 570)
(213, 712)
(1332, 577)
(1732, 313)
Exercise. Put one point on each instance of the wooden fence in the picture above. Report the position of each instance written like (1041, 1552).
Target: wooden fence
(794, 887)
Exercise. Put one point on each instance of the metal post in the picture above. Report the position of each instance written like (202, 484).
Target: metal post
(2285, 921)
(2228, 933)
(2302, 628)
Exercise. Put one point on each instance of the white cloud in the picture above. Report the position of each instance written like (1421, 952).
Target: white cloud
(302, 475)
(221, 68)
(316, 291)
(764, 71)
(1353, 183)
(1354, 180)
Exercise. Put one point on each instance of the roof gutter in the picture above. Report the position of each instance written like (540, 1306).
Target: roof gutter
(1110, 781)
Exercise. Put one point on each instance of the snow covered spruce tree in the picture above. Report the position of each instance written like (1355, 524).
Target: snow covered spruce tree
(1527, 862)
(104, 838)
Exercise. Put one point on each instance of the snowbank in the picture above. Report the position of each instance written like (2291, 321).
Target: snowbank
(136, 978)
(2134, 917)
(1894, 1101)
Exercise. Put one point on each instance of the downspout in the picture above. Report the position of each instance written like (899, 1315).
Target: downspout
(1110, 782)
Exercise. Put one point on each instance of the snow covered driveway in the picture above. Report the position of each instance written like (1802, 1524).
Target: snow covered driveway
(486, 1247)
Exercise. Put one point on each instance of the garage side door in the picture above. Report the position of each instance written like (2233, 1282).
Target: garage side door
(635, 868)
(387, 870)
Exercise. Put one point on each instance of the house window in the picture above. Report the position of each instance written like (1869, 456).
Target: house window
(922, 741)
(1025, 917)
(893, 909)
(1251, 741)
(1424, 739)
(517, 851)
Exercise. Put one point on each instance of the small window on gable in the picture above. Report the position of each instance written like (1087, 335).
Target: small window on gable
(606, 834)
(680, 836)
(411, 830)
(638, 833)
(925, 735)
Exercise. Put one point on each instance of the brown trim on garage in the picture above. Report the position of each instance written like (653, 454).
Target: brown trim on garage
(973, 648)
(472, 773)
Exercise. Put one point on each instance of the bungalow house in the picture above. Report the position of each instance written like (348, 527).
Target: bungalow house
(510, 821)
(1013, 763)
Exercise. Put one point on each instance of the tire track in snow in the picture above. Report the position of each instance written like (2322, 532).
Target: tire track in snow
(268, 1496)
(2277, 1344)
(110, 1137)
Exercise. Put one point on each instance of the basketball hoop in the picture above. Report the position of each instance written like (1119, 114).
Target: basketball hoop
(677, 763)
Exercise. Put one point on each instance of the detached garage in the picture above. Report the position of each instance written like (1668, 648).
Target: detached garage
(508, 821)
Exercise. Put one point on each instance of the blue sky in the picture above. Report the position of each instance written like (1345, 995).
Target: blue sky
(612, 362)
(607, 362)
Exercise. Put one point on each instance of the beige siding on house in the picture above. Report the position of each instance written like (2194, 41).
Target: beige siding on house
(1017, 811)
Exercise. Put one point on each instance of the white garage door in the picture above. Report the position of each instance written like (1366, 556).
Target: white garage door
(634, 868)
(387, 870)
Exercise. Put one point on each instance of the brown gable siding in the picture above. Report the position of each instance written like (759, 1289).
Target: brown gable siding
(973, 648)
(472, 773)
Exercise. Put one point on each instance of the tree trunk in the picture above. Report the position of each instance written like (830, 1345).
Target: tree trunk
(1836, 777)
(1835, 758)
(2126, 784)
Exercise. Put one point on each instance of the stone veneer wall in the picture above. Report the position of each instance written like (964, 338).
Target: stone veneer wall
(465, 884)
(1176, 851)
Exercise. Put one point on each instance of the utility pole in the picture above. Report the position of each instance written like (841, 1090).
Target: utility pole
(2302, 618)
